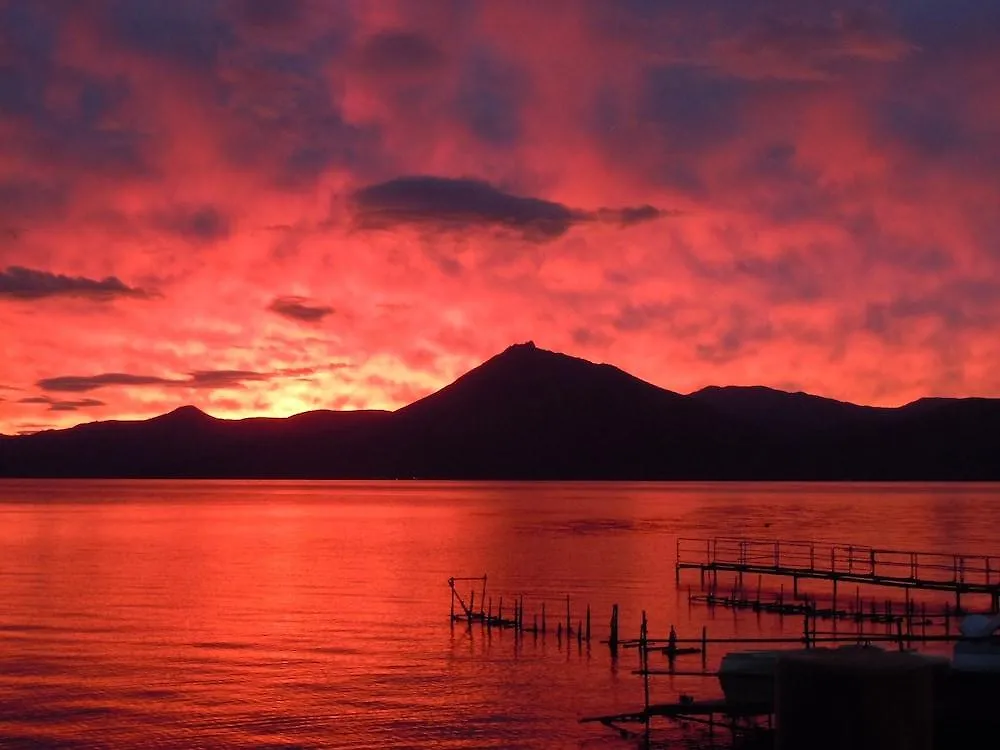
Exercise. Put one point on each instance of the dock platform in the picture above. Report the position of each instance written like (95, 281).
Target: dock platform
(844, 563)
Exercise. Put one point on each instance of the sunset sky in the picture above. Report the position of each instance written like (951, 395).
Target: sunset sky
(264, 207)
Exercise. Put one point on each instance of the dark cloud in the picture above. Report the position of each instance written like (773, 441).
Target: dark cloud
(194, 223)
(446, 202)
(29, 284)
(443, 202)
(206, 379)
(399, 52)
(62, 405)
(299, 308)
(82, 383)
(634, 215)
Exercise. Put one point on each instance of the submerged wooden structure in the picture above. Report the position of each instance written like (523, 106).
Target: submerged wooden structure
(539, 623)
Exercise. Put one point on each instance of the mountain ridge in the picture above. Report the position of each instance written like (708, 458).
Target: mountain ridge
(530, 413)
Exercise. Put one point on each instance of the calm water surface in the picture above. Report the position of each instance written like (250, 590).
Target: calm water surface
(315, 614)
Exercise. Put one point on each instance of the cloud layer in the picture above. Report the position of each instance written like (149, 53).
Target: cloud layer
(29, 284)
(263, 208)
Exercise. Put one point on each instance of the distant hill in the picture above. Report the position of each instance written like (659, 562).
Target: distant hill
(528, 413)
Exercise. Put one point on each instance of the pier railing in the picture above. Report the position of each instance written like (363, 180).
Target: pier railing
(972, 573)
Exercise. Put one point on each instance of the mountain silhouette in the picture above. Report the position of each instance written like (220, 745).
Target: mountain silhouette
(776, 410)
(529, 413)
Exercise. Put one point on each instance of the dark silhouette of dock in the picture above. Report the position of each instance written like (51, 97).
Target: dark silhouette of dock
(957, 574)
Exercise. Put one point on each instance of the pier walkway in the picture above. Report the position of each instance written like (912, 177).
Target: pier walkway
(934, 571)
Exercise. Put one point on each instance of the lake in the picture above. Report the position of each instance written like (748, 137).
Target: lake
(186, 614)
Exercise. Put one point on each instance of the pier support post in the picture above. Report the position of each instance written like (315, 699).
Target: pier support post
(613, 638)
(644, 665)
(588, 623)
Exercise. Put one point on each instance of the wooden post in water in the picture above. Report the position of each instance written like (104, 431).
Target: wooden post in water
(472, 604)
(613, 638)
(543, 615)
(704, 644)
(644, 665)
(489, 616)
(568, 621)
(500, 613)
(482, 597)
(588, 623)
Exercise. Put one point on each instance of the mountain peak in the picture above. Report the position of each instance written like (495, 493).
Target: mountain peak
(186, 413)
(524, 377)
(529, 344)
